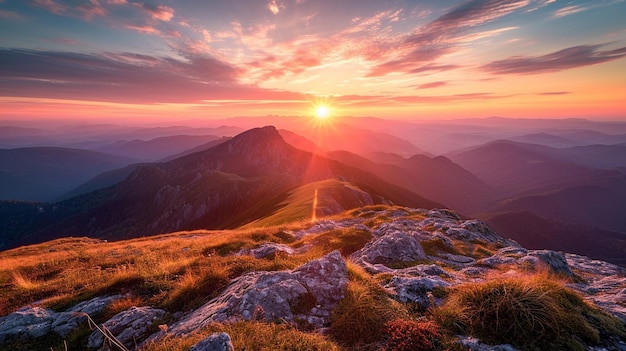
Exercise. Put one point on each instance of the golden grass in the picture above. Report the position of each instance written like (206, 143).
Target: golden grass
(360, 318)
(252, 336)
(529, 311)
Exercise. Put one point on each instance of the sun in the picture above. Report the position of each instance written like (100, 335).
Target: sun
(322, 112)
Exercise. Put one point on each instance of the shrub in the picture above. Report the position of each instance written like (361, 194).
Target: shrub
(408, 335)
(529, 312)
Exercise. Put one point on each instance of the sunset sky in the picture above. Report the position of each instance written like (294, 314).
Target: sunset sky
(170, 59)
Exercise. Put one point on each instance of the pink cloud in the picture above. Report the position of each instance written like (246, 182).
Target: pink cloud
(159, 12)
(52, 6)
(572, 57)
(144, 29)
(432, 85)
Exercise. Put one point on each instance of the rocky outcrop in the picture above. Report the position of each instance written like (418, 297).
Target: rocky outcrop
(307, 294)
(35, 322)
(269, 250)
(129, 327)
(472, 344)
(26, 323)
(214, 342)
(414, 290)
(604, 283)
(390, 247)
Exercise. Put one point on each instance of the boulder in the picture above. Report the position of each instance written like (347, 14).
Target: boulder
(475, 345)
(392, 246)
(26, 323)
(214, 342)
(70, 320)
(555, 261)
(415, 290)
(269, 250)
(308, 293)
(129, 327)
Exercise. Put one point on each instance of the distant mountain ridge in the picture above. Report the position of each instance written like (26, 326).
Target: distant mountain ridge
(46, 173)
(238, 181)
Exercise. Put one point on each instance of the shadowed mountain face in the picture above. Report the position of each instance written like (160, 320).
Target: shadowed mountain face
(46, 173)
(241, 180)
(436, 178)
(514, 168)
(535, 232)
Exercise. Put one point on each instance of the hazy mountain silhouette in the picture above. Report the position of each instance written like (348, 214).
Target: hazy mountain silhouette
(436, 178)
(45, 173)
(535, 232)
(513, 168)
(157, 148)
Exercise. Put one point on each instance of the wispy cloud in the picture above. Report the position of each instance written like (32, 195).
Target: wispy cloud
(52, 6)
(275, 7)
(443, 35)
(123, 78)
(569, 10)
(555, 93)
(573, 57)
(159, 12)
(432, 85)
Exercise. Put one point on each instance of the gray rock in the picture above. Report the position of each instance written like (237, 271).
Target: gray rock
(214, 342)
(270, 250)
(129, 327)
(26, 323)
(308, 293)
(393, 246)
(70, 320)
(475, 345)
(422, 270)
(554, 260)
(414, 289)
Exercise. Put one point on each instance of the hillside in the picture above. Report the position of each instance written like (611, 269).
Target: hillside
(436, 178)
(239, 181)
(373, 278)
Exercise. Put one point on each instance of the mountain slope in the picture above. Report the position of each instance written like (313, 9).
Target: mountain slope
(535, 232)
(513, 168)
(435, 178)
(236, 182)
(157, 148)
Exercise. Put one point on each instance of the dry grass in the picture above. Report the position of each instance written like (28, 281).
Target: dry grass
(174, 270)
(252, 336)
(531, 312)
(359, 320)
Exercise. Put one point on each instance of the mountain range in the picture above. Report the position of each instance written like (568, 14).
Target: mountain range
(532, 192)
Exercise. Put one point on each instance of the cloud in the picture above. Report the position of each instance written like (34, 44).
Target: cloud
(159, 12)
(144, 29)
(568, 10)
(52, 6)
(573, 57)
(431, 85)
(274, 7)
(446, 33)
(91, 9)
(434, 68)
(555, 93)
(124, 78)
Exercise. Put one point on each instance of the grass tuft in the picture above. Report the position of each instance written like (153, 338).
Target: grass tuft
(530, 312)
